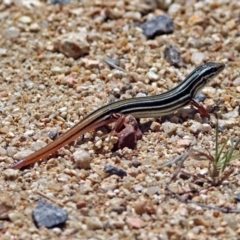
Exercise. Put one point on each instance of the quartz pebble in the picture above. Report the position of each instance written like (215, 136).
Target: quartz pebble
(197, 127)
(82, 159)
(169, 128)
(197, 58)
(10, 174)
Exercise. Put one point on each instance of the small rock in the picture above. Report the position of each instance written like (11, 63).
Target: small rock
(236, 82)
(6, 205)
(3, 151)
(174, 8)
(237, 44)
(22, 154)
(73, 45)
(12, 33)
(231, 114)
(172, 55)
(184, 142)
(111, 170)
(197, 58)
(144, 206)
(49, 216)
(17, 218)
(10, 174)
(155, 126)
(62, 177)
(94, 223)
(237, 197)
(158, 26)
(3, 52)
(90, 63)
(114, 13)
(25, 19)
(53, 134)
(136, 164)
(129, 135)
(169, 127)
(141, 94)
(138, 188)
(134, 222)
(196, 127)
(200, 97)
(152, 76)
(196, 20)
(61, 2)
(82, 159)
(34, 27)
(152, 190)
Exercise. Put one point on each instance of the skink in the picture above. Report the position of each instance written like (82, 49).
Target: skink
(142, 107)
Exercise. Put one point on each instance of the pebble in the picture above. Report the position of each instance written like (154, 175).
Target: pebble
(22, 154)
(73, 45)
(3, 151)
(155, 126)
(134, 222)
(94, 223)
(144, 206)
(162, 24)
(49, 216)
(17, 218)
(61, 2)
(62, 177)
(6, 205)
(111, 170)
(172, 55)
(130, 134)
(10, 174)
(174, 9)
(169, 128)
(25, 19)
(152, 76)
(237, 44)
(3, 52)
(197, 58)
(231, 114)
(34, 27)
(82, 159)
(184, 142)
(152, 190)
(12, 33)
(196, 127)
(236, 81)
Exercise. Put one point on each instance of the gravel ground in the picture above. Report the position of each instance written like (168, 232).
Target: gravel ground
(45, 89)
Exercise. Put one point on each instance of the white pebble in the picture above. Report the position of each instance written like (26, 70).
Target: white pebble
(10, 174)
(22, 154)
(232, 114)
(25, 19)
(169, 127)
(140, 94)
(197, 58)
(152, 76)
(174, 9)
(196, 127)
(82, 159)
